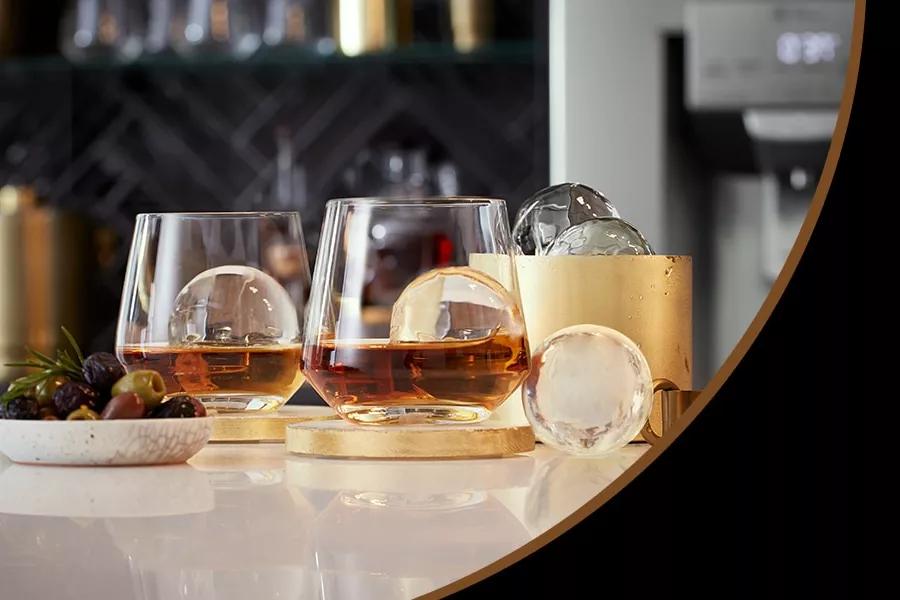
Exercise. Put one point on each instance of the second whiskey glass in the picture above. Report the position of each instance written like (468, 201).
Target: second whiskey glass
(414, 313)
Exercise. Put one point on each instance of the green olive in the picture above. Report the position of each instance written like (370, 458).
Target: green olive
(149, 385)
(45, 389)
(82, 414)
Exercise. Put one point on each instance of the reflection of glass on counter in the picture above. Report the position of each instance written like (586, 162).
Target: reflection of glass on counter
(243, 548)
(397, 521)
(99, 492)
(414, 478)
(382, 519)
(364, 541)
(46, 557)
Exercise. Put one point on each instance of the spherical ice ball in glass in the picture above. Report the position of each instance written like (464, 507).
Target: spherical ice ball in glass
(589, 391)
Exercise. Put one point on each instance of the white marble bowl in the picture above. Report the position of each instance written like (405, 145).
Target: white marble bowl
(113, 442)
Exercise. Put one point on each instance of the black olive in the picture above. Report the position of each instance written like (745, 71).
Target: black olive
(74, 394)
(177, 407)
(101, 370)
(22, 408)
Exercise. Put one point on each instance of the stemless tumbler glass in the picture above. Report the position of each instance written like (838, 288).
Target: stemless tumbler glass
(414, 314)
(214, 302)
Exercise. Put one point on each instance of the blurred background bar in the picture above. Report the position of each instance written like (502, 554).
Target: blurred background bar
(706, 123)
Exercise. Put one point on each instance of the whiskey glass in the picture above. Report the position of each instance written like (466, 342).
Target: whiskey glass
(414, 314)
(215, 303)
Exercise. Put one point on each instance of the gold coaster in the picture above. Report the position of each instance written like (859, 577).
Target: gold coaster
(339, 439)
(264, 426)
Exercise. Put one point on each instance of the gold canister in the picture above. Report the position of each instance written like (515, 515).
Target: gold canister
(43, 256)
(648, 298)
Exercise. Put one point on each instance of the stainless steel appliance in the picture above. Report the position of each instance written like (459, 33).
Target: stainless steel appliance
(762, 82)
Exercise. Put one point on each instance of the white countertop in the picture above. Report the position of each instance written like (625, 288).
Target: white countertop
(251, 521)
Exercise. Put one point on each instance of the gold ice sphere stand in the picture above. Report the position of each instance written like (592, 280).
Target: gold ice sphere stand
(338, 439)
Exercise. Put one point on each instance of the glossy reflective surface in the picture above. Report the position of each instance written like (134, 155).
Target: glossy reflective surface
(249, 521)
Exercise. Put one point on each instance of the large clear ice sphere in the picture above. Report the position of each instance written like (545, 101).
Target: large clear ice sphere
(552, 210)
(454, 303)
(589, 390)
(233, 305)
(608, 236)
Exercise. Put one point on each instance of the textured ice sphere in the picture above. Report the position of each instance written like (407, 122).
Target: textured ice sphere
(589, 390)
(606, 236)
(454, 303)
(552, 210)
(233, 305)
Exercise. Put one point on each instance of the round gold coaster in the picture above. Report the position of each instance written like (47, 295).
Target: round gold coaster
(337, 438)
(264, 426)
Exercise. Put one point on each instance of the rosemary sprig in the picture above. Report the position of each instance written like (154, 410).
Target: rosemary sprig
(64, 364)
(74, 345)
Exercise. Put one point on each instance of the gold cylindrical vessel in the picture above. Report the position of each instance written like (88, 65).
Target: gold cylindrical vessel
(43, 256)
(648, 298)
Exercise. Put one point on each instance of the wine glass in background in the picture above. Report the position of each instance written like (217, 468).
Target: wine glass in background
(215, 303)
(414, 315)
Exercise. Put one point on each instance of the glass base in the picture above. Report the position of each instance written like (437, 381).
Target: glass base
(413, 415)
(237, 402)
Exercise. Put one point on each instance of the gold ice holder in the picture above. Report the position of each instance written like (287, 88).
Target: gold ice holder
(648, 298)
(670, 404)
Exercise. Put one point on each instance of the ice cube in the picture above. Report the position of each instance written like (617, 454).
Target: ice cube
(606, 236)
(552, 210)
(454, 303)
(233, 305)
(589, 390)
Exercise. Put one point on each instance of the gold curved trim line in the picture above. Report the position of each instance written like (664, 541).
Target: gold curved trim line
(765, 311)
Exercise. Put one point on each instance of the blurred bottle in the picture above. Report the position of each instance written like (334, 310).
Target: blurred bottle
(402, 174)
(365, 26)
(472, 22)
(299, 23)
(221, 27)
(446, 177)
(103, 29)
(166, 20)
(394, 172)
(9, 27)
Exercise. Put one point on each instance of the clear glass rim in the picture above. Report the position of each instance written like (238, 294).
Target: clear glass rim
(418, 201)
(221, 214)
